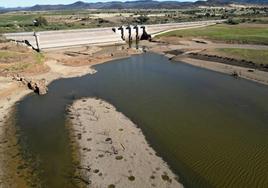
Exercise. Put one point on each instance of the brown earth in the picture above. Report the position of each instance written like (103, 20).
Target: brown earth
(89, 55)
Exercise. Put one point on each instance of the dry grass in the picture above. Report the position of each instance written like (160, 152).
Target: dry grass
(256, 56)
(19, 59)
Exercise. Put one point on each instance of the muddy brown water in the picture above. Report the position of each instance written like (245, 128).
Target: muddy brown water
(211, 128)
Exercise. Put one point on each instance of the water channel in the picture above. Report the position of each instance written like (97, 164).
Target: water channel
(211, 128)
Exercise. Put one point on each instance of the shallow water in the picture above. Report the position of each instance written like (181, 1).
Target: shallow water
(212, 129)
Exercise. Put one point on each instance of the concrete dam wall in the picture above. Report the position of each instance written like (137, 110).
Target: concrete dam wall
(68, 38)
(131, 32)
(99, 36)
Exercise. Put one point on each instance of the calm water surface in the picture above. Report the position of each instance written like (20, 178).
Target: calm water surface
(212, 129)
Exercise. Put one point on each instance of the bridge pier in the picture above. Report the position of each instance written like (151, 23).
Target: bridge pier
(145, 35)
(122, 31)
(130, 33)
(36, 35)
(136, 27)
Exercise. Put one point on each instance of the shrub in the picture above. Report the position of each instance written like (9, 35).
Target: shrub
(40, 21)
(142, 19)
(231, 21)
(100, 21)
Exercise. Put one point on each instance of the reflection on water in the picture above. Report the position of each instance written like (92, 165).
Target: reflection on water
(211, 128)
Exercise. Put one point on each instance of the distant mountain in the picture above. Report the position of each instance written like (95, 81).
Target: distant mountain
(251, 1)
(139, 4)
(226, 2)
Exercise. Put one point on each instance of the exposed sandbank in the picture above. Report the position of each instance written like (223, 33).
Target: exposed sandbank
(113, 151)
(246, 73)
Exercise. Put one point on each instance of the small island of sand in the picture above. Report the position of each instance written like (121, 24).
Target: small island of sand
(113, 151)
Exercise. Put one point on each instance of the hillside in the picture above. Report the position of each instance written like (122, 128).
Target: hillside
(140, 4)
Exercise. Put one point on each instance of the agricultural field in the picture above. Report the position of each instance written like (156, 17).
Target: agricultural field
(57, 20)
(75, 19)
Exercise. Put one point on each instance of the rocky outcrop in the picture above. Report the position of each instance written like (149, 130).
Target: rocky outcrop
(38, 86)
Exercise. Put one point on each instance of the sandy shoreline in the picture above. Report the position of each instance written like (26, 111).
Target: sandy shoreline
(113, 151)
(243, 72)
(12, 92)
(256, 76)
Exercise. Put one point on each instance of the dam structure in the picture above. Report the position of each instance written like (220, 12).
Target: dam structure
(132, 33)
(45, 40)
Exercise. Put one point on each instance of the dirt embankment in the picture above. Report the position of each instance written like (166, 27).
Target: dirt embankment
(201, 53)
(229, 61)
(209, 56)
(90, 55)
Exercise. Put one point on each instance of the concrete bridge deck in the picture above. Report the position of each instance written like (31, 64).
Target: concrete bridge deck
(96, 36)
(161, 28)
(64, 38)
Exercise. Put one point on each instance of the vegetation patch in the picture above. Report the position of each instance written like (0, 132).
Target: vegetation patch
(39, 57)
(131, 178)
(111, 186)
(120, 157)
(72, 19)
(4, 55)
(256, 56)
(19, 59)
(242, 33)
(96, 171)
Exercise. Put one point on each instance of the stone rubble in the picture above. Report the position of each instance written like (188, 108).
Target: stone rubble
(38, 86)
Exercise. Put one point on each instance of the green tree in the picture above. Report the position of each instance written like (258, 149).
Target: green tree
(143, 19)
(232, 21)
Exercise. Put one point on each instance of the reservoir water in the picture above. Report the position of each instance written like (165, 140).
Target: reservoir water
(211, 128)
